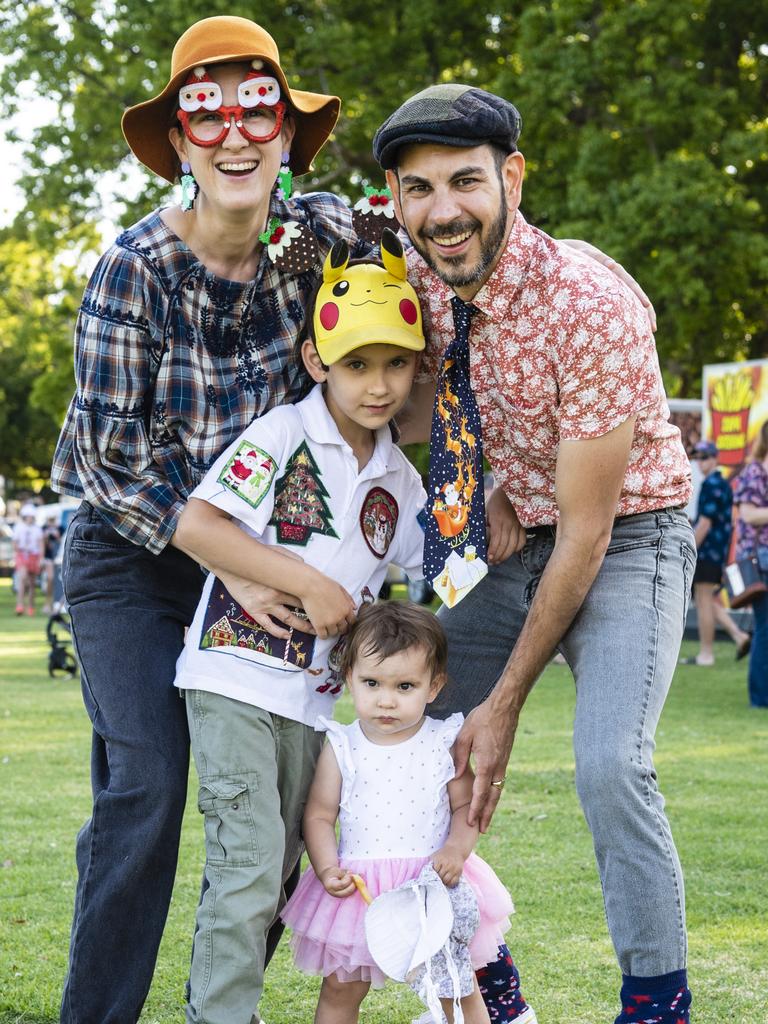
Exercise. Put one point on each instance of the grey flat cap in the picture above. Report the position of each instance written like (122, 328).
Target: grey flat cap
(450, 115)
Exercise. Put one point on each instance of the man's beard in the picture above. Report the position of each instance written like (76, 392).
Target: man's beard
(451, 269)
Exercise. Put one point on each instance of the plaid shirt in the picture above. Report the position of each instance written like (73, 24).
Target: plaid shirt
(172, 363)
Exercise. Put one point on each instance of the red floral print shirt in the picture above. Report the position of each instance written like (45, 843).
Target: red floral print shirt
(560, 349)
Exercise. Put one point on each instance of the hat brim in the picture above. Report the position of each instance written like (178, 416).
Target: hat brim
(389, 152)
(402, 937)
(330, 351)
(145, 125)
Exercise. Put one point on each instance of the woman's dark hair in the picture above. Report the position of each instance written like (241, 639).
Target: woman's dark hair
(760, 444)
(395, 626)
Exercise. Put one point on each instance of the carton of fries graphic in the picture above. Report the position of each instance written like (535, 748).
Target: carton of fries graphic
(730, 400)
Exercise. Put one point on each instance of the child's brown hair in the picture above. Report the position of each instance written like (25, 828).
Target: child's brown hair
(394, 626)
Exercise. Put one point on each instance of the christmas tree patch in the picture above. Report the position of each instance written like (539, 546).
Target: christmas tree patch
(301, 506)
(249, 473)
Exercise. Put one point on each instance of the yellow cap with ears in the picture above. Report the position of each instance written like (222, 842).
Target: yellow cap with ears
(366, 304)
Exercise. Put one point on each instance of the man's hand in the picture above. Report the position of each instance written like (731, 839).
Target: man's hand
(448, 862)
(505, 534)
(337, 882)
(487, 735)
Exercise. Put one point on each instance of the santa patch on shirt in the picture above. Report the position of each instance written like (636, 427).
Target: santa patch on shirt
(249, 473)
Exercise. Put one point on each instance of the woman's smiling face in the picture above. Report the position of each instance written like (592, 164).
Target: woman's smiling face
(236, 174)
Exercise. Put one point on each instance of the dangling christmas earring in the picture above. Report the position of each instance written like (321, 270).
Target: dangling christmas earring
(290, 245)
(189, 187)
(285, 179)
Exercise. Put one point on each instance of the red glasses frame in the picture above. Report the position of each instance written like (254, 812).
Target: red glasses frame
(233, 114)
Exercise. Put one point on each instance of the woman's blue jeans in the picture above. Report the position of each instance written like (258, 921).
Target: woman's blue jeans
(758, 655)
(622, 648)
(128, 610)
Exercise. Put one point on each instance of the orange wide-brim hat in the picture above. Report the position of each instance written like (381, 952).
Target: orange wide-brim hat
(220, 40)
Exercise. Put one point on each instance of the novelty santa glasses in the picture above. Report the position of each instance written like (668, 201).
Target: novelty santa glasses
(206, 121)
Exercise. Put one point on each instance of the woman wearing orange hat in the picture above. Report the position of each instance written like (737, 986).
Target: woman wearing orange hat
(185, 334)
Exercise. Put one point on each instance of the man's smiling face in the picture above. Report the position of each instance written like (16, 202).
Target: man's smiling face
(457, 205)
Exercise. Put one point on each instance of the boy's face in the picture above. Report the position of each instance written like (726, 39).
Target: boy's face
(366, 387)
(390, 695)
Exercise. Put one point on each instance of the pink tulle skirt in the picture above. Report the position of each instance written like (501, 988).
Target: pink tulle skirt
(329, 933)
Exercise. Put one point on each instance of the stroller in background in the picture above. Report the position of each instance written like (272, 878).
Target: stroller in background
(61, 660)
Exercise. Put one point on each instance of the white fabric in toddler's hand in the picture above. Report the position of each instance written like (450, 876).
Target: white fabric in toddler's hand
(407, 926)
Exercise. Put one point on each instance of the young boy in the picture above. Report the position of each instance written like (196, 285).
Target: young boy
(332, 502)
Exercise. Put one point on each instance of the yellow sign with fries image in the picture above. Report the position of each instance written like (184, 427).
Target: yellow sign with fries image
(735, 404)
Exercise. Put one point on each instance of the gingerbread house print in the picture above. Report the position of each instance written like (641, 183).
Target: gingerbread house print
(263, 645)
(220, 634)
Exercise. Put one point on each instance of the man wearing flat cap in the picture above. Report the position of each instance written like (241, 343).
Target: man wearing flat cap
(565, 376)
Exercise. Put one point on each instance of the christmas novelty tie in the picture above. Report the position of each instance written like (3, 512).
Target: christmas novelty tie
(454, 543)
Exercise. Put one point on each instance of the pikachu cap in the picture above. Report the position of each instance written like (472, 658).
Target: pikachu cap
(366, 304)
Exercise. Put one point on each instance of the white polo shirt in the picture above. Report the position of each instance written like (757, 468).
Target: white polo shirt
(291, 480)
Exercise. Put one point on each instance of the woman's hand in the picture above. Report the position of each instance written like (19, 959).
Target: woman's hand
(505, 534)
(337, 882)
(448, 862)
(329, 608)
(616, 268)
(261, 602)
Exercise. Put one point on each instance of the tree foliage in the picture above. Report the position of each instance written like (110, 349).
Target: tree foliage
(645, 126)
(39, 295)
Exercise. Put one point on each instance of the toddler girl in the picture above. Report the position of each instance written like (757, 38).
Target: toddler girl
(389, 779)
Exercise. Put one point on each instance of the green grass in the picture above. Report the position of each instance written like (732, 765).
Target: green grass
(712, 761)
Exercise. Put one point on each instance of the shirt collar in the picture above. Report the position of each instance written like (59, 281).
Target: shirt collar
(503, 286)
(320, 427)
(501, 289)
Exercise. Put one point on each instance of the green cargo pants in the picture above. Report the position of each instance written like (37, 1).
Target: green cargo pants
(255, 769)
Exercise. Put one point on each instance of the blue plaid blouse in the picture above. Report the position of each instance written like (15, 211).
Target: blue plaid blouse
(172, 363)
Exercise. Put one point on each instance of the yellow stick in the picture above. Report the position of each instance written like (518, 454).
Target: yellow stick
(362, 888)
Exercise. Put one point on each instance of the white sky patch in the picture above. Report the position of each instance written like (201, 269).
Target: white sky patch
(35, 112)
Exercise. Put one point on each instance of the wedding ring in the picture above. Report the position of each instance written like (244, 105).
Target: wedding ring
(499, 783)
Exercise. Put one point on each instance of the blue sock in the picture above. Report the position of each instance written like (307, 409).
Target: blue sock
(499, 984)
(664, 999)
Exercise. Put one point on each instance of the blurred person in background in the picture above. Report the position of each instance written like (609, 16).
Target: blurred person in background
(51, 542)
(28, 556)
(712, 529)
(751, 496)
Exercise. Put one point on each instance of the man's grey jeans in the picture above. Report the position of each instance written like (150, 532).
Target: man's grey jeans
(622, 648)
